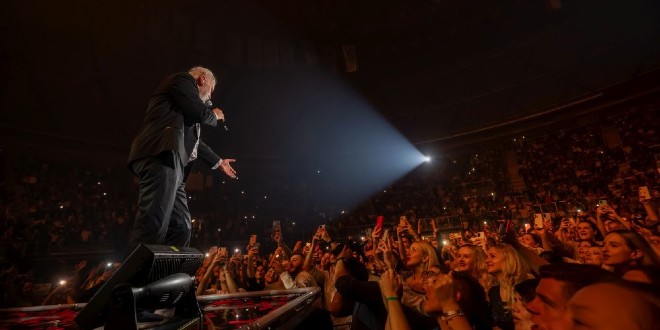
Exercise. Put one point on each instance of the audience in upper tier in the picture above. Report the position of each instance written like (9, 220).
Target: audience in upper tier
(576, 247)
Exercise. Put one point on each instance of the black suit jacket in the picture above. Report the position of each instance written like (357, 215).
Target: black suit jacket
(172, 113)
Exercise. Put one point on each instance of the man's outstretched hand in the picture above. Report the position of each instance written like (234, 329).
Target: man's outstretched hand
(225, 166)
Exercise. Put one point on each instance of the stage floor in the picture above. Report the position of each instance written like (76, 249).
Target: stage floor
(283, 309)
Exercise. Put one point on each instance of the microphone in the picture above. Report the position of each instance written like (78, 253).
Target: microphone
(209, 104)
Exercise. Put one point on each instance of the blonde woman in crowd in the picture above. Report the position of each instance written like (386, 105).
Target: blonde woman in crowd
(471, 259)
(507, 270)
(422, 255)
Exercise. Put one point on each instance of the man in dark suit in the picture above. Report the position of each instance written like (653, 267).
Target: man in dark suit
(167, 142)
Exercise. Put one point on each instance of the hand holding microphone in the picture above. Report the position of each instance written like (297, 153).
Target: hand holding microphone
(218, 114)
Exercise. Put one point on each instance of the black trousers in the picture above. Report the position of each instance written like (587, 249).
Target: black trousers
(163, 217)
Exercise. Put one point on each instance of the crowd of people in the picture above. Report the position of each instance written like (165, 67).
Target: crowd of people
(454, 249)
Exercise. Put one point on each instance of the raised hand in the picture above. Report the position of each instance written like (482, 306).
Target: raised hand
(225, 166)
(443, 288)
(389, 283)
(298, 246)
(375, 234)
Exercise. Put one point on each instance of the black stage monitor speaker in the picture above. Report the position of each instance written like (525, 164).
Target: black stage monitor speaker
(145, 265)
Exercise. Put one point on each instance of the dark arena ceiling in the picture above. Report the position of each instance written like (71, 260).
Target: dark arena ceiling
(77, 74)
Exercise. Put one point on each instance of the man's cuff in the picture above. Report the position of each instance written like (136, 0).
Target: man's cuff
(217, 164)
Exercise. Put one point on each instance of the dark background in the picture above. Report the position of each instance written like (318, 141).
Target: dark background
(76, 75)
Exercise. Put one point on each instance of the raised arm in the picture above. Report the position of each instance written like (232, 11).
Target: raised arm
(389, 286)
(308, 264)
(217, 260)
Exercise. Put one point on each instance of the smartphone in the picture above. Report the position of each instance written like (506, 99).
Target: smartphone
(644, 193)
(321, 227)
(481, 234)
(223, 250)
(253, 239)
(602, 202)
(379, 221)
(538, 220)
(256, 246)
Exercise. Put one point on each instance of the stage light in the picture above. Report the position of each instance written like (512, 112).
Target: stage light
(151, 277)
(164, 292)
(427, 159)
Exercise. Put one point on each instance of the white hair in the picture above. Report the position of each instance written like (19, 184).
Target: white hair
(199, 71)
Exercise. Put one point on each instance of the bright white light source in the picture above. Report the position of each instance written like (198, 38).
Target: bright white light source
(427, 159)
